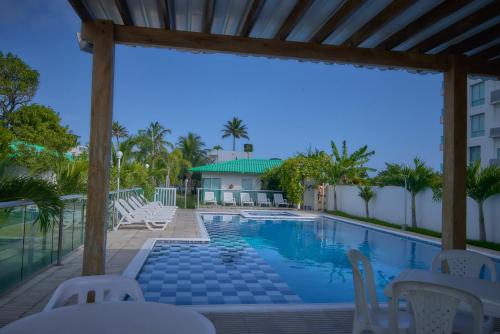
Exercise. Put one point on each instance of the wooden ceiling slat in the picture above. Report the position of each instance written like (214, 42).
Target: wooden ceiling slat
(208, 15)
(480, 16)
(490, 52)
(164, 13)
(80, 10)
(336, 20)
(252, 15)
(437, 13)
(293, 18)
(475, 41)
(385, 16)
(124, 12)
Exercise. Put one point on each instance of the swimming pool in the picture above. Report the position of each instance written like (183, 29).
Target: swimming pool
(275, 262)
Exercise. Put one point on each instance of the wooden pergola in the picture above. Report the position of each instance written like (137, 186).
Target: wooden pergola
(455, 37)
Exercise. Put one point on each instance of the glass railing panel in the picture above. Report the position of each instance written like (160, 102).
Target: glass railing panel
(11, 245)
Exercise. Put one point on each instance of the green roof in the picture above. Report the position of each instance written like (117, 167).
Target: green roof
(242, 166)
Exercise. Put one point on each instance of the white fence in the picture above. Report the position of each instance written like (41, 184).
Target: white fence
(166, 196)
(389, 205)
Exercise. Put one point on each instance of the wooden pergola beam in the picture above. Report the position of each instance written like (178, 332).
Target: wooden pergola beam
(474, 41)
(490, 52)
(293, 18)
(455, 156)
(124, 12)
(437, 13)
(208, 15)
(378, 21)
(164, 13)
(80, 10)
(336, 20)
(251, 18)
(94, 252)
(478, 17)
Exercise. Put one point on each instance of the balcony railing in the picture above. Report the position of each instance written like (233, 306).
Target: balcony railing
(219, 196)
(495, 97)
(25, 249)
(495, 132)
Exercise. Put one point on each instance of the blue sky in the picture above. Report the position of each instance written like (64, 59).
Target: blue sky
(287, 105)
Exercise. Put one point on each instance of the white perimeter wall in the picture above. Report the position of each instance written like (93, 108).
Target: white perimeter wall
(389, 205)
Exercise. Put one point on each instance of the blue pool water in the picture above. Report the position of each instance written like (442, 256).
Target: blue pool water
(275, 261)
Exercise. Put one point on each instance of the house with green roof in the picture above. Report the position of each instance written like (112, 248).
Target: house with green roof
(242, 174)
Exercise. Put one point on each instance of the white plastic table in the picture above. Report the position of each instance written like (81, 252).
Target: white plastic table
(487, 291)
(114, 318)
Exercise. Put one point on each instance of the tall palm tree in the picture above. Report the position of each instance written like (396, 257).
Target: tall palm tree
(118, 131)
(417, 178)
(481, 184)
(15, 186)
(366, 193)
(217, 148)
(348, 168)
(192, 148)
(153, 139)
(236, 129)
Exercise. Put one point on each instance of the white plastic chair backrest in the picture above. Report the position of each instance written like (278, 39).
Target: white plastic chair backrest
(262, 198)
(245, 197)
(121, 209)
(228, 197)
(464, 263)
(106, 288)
(132, 204)
(125, 205)
(434, 306)
(278, 198)
(143, 199)
(137, 203)
(209, 196)
(364, 285)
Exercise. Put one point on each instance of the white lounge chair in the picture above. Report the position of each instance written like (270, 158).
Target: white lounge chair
(368, 314)
(228, 199)
(210, 198)
(464, 263)
(106, 288)
(262, 200)
(129, 218)
(279, 200)
(149, 213)
(434, 307)
(245, 199)
(166, 211)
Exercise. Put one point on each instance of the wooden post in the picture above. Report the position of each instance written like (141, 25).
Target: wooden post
(94, 252)
(455, 156)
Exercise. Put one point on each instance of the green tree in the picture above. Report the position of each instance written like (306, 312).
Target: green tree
(366, 193)
(71, 176)
(18, 84)
(348, 168)
(41, 125)
(217, 148)
(152, 142)
(481, 184)
(236, 129)
(118, 131)
(192, 148)
(417, 178)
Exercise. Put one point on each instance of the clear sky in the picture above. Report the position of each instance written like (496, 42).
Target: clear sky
(287, 105)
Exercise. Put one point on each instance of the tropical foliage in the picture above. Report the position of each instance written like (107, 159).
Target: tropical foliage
(118, 131)
(366, 193)
(236, 129)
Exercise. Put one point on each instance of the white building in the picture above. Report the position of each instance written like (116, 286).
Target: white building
(221, 155)
(483, 125)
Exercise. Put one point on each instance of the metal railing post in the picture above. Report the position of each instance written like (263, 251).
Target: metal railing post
(197, 198)
(60, 237)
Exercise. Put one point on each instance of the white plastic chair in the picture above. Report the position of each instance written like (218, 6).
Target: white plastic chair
(245, 199)
(210, 198)
(464, 263)
(228, 199)
(368, 315)
(106, 288)
(434, 307)
(279, 200)
(128, 218)
(262, 200)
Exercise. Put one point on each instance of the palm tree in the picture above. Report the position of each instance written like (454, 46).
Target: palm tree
(118, 131)
(153, 140)
(236, 129)
(192, 148)
(366, 193)
(416, 178)
(217, 148)
(14, 186)
(481, 184)
(348, 168)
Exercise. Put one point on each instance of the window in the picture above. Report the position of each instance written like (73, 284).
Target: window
(246, 184)
(474, 154)
(477, 125)
(477, 94)
(211, 183)
(498, 153)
